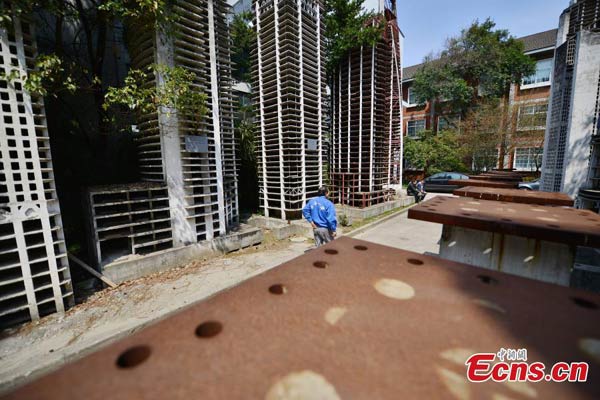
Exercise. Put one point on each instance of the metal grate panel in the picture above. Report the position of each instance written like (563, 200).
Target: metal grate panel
(34, 271)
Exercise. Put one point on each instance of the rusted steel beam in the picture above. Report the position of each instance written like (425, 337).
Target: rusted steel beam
(349, 320)
(493, 177)
(483, 183)
(505, 173)
(516, 196)
(554, 224)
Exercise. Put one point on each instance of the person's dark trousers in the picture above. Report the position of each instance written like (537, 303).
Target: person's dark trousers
(322, 236)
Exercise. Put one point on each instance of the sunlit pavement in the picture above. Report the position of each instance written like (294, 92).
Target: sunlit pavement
(407, 234)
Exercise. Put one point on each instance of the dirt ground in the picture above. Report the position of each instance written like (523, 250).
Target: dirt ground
(39, 347)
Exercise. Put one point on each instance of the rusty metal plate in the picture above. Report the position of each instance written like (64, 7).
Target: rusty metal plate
(555, 224)
(516, 196)
(350, 320)
(505, 172)
(499, 178)
(484, 183)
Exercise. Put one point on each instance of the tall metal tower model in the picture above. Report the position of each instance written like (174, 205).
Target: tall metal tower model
(289, 82)
(198, 164)
(367, 118)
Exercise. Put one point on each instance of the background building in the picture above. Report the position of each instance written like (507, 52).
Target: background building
(289, 92)
(528, 99)
(367, 119)
(571, 148)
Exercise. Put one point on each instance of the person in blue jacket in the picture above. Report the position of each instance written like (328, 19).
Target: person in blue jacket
(320, 212)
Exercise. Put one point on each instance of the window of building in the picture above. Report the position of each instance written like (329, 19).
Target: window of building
(542, 75)
(414, 127)
(528, 158)
(533, 116)
(412, 98)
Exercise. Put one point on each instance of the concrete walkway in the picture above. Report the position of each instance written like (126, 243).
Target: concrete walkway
(406, 234)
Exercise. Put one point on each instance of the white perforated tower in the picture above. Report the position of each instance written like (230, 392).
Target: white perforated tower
(34, 271)
(367, 118)
(198, 165)
(289, 91)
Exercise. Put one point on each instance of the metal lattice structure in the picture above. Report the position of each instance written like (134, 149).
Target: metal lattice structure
(367, 120)
(572, 70)
(556, 133)
(290, 90)
(128, 219)
(34, 270)
(197, 161)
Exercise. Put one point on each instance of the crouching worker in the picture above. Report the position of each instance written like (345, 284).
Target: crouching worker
(320, 212)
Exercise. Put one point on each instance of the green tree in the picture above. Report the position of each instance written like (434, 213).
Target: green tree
(242, 37)
(437, 81)
(480, 136)
(245, 134)
(176, 93)
(481, 62)
(75, 63)
(348, 25)
(475, 67)
(434, 153)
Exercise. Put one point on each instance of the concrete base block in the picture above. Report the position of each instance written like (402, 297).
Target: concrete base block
(138, 266)
(354, 214)
(527, 257)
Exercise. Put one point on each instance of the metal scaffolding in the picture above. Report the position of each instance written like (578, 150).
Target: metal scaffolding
(197, 161)
(290, 82)
(367, 119)
(34, 271)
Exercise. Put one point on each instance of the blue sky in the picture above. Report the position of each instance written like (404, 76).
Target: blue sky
(428, 23)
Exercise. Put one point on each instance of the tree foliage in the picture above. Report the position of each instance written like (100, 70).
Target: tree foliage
(151, 12)
(479, 64)
(434, 153)
(481, 135)
(242, 37)
(437, 81)
(47, 77)
(245, 134)
(60, 69)
(19, 8)
(348, 25)
(176, 93)
(489, 126)
(473, 72)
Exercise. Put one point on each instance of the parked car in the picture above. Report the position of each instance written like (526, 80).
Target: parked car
(533, 185)
(439, 182)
